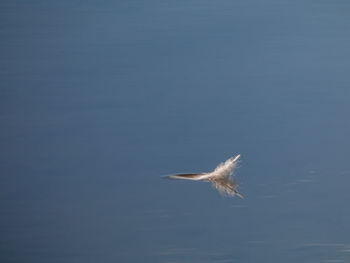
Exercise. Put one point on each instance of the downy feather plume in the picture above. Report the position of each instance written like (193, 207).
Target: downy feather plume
(222, 178)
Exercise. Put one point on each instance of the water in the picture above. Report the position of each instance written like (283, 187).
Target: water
(99, 99)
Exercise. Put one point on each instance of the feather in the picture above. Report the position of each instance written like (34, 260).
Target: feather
(221, 178)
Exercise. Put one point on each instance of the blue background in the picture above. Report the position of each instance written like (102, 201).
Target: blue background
(99, 99)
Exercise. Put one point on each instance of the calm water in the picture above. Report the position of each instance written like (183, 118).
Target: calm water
(99, 99)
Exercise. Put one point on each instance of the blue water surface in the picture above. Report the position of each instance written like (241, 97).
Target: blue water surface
(99, 99)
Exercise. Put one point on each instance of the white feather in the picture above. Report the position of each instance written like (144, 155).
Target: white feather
(221, 178)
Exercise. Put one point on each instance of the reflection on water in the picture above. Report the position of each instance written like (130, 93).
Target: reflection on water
(98, 100)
